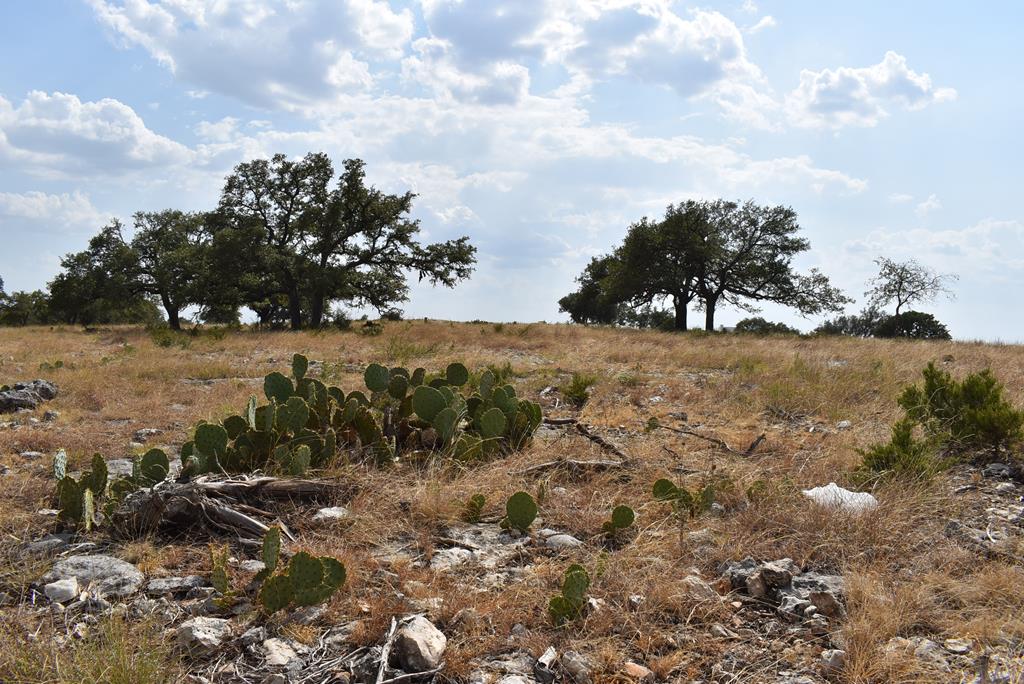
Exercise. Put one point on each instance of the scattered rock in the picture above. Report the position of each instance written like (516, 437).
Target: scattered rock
(419, 645)
(26, 395)
(279, 653)
(737, 572)
(331, 514)
(446, 559)
(844, 425)
(834, 496)
(142, 435)
(997, 470)
(561, 542)
(175, 585)
(576, 667)
(696, 589)
(252, 566)
(51, 416)
(48, 544)
(958, 646)
(203, 633)
(103, 575)
(1006, 488)
(31, 455)
(638, 673)
(780, 573)
(62, 591)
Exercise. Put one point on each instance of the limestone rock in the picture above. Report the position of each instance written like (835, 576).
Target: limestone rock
(62, 591)
(203, 633)
(103, 575)
(419, 645)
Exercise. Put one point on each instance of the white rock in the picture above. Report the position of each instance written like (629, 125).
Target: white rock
(696, 589)
(104, 575)
(833, 660)
(834, 496)
(203, 633)
(331, 514)
(562, 541)
(419, 645)
(844, 425)
(279, 653)
(62, 591)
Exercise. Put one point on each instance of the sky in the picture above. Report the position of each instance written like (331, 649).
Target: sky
(539, 128)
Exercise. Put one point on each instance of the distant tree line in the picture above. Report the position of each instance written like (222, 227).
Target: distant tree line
(707, 254)
(287, 240)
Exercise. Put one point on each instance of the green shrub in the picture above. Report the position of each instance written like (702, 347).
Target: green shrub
(965, 414)
(578, 390)
(759, 326)
(913, 325)
(571, 602)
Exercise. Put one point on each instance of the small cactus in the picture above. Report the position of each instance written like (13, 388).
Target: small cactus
(474, 508)
(572, 601)
(153, 467)
(520, 512)
(300, 364)
(428, 402)
(211, 440)
(60, 465)
(622, 517)
(456, 374)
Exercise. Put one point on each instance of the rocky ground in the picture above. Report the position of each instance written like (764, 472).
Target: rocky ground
(924, 585)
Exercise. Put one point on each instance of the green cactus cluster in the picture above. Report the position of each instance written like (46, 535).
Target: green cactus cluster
(308, 580)
(683, 501)
(622, 518)
(571, 603)
(304, 422)
(520, 512)
(77, 499)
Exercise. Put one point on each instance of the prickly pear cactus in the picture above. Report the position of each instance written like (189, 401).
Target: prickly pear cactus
(153, 467)
(520, 512)
(622, 517)
(474, 508)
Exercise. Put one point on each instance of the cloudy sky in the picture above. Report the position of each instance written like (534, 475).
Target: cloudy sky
(540, 128)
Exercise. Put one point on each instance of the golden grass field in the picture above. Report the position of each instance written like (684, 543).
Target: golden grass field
(905, 577)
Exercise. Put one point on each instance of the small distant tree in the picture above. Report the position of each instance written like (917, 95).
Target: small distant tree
(24, 308)
(906, 282)
(862, 324)
(759, 326)
(590, 303)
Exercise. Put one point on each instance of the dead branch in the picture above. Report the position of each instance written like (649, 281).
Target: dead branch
(573, 465)
(559, 421)
(220, 505)
(720, 443)
(386, 651)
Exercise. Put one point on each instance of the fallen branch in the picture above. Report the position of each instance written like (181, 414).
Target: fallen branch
(385, 652)
(413, 675)
(720, 443)
(582, 429)
(572, 464)
(222, 505)
(559, 421)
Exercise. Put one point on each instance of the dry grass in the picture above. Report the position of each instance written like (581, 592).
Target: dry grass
(906, 577)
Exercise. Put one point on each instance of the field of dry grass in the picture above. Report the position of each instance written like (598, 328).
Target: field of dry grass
(905, 577)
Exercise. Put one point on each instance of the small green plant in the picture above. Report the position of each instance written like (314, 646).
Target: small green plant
(474, 508)
(578, 390)
(903, 455)
(571, 603)
(520, 512)
(682, 500)
(51, 366)
(308, 581)
(622, 518)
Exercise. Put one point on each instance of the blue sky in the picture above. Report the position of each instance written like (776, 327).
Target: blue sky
(541, 129)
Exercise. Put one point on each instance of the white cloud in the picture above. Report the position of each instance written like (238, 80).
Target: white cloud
(766, 22)
(860, 96)
(279, 54)
(928, 206)
(61, 211)
(59, 133)
(900, 198)
(990, 251)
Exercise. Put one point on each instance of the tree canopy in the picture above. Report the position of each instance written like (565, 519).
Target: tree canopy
(906, 282)
(287, 240)
(715, 252)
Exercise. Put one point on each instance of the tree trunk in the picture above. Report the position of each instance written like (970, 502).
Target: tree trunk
(172, 312)
(316, 310)
(680, 306)
(709, 314)
(295, 307)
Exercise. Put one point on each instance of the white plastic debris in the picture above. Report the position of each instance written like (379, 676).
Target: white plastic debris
(834, 496)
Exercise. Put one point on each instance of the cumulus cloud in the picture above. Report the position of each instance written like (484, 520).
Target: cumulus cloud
(64, 210)
(279, 54)
(59, 133)
(850, 96)
(928, 206)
